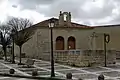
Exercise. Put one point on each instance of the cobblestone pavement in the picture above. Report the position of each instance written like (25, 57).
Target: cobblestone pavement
(112, 72)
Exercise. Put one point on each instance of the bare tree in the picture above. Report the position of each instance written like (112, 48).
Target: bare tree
(5, 37)
(22, 34)
(19, 23)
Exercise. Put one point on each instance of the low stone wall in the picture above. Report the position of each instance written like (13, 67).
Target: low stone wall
(117, 54)
(81, 58)
(85, 58)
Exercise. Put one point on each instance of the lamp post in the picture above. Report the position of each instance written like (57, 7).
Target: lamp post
(51, 25)
(13, 57)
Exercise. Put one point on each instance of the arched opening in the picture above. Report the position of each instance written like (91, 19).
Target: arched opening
(71, 43)
(59, 43)
(65, 17)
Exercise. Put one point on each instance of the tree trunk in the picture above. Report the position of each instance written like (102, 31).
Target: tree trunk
(20, 53)
(4, 48)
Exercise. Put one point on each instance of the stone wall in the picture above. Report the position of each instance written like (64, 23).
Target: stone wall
(85, 57)
(39, 45)
(114, 33)
(117, 54)
(35, 47)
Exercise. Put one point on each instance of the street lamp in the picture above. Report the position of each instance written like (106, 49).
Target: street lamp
(13, 57)
(51, 25)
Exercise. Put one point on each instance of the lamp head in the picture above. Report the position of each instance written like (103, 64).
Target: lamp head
(51, 22)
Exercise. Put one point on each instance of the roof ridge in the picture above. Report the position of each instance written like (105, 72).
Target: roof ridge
(58, 19)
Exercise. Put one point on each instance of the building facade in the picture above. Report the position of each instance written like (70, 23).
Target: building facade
(69, 36)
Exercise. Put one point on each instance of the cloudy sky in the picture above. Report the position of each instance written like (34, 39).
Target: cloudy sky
(89, 12)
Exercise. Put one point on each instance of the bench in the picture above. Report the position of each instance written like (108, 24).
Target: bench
(28, 63)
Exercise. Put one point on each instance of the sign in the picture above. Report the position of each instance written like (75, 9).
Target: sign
(107, 38)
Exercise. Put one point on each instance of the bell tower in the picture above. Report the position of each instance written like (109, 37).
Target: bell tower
(64, 19)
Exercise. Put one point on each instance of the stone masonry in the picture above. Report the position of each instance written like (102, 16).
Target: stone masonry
(85, 58)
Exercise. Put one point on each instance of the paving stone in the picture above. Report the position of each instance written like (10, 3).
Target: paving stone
(27, 69)
(114, 66)
(95, 69)
(111, 73)
(118, 78)
(70, 71)
(4, 70)
(85, 76)
(14, 65)
(16, 73)
(13, 78)
(109, 79)
(41, 73)
(58, 67)
(43, 65)
(61, 77)
(37, 60)
(3, 67)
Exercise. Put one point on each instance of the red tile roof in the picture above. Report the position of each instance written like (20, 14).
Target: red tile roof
(46, 22)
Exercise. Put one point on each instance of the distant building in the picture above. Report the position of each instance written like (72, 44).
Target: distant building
(68, 35)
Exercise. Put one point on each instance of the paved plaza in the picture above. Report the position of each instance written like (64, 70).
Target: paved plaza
(112, 72)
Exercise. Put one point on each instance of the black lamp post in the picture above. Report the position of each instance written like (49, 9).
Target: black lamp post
(13, 57)
(51, 25)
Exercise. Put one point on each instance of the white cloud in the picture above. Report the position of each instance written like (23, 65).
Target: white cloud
(3, 9)
(89, 6)
(7, 10)
(32, 15)
(90, 12)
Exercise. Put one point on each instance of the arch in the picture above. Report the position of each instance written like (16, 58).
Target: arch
(71, 43)
(65, 17)
(59, 43)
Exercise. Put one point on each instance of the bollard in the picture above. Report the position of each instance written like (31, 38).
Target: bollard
(11, 71)
(101, 77)
(80, 79)
(69, 76)
(34, 73)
